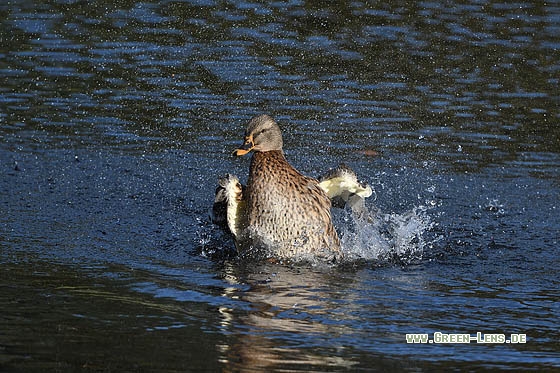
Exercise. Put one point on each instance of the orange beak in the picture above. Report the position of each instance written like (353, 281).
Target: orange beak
(247, 146)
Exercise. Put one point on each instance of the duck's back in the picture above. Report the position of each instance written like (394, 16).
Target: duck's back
(287, 210)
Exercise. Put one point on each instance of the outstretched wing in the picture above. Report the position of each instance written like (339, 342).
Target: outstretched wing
(219, 208)
(229, 209)
(344, 189)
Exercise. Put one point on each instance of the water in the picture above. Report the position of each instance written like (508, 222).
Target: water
(117, 119)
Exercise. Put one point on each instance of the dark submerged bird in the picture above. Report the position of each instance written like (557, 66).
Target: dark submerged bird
(280, 209)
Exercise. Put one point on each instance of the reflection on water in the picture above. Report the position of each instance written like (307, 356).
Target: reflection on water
(117, 118)
(479, 78)
(282, 303)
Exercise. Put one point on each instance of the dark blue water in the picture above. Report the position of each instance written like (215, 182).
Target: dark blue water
(117, 118)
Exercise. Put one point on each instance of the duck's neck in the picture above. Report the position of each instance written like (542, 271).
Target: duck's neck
(266, 162)
(271, 154)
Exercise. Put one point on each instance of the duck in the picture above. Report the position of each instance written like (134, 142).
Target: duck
(280, 210)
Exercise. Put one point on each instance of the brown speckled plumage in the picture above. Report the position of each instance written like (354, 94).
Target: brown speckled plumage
(286, 210)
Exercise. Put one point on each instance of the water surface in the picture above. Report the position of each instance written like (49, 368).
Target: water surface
(117, 118)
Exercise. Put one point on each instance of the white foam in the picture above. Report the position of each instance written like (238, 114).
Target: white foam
(371, 235)
(379, 236)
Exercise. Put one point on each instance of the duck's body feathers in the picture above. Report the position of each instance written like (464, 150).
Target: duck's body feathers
(281, 209)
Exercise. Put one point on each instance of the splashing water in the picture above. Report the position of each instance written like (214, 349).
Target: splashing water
(378, 236)
(369, 235)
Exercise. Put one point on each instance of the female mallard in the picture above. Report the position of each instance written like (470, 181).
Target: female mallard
(280, 209)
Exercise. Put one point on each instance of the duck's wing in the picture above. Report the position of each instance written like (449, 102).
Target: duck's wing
(343, 187)
(218, 214)
(229, 209)
(342, 181)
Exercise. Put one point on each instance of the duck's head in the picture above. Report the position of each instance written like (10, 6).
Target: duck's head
(262, 135)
